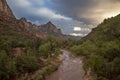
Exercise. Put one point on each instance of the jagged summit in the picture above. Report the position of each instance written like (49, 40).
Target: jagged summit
(50, 28)
(23, 19)
(49, 22)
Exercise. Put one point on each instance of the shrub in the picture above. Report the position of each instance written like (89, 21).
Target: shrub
(96, 64)
(57, 52)
(7, 66)
(26, 63)
(45, 49)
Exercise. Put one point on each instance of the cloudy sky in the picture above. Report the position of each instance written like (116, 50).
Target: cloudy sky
(75, 17)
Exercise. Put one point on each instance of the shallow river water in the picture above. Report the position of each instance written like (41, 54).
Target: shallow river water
(70, 69)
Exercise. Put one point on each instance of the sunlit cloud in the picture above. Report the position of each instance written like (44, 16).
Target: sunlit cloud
(77, 34)
(77, 29)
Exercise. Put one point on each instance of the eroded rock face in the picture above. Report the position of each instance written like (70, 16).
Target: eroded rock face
(30, 28)
(4, 8)
(24, 24)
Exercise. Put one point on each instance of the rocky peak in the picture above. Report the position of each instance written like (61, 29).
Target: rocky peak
(50, 28)
(49, 22)
(23, 19)
(50, 25)
(4, 8)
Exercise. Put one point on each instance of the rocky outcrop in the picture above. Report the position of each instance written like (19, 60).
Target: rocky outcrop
(24, 24)
(4, 8)
(17, 51)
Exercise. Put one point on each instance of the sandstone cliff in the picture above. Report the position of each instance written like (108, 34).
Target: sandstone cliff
(4, 8)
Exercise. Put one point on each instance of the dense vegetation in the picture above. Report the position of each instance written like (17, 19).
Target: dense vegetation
(102, 50)
(24, 55)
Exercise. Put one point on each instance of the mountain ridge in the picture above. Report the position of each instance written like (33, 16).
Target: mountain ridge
(41, 31)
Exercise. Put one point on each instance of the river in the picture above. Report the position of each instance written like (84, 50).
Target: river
(70, 69)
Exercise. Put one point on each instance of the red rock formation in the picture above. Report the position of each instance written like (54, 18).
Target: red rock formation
(4, 8)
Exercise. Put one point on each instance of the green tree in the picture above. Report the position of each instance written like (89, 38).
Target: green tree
(7, 66)
(45, 49)
(27, 63)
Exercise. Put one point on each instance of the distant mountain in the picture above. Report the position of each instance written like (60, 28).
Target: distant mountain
(50, 28)
(26, 28)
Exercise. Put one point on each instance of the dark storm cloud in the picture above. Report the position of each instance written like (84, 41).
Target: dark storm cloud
(87, 11)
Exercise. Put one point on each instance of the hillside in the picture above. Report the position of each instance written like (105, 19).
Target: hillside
(27, 51)
(102, 50)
